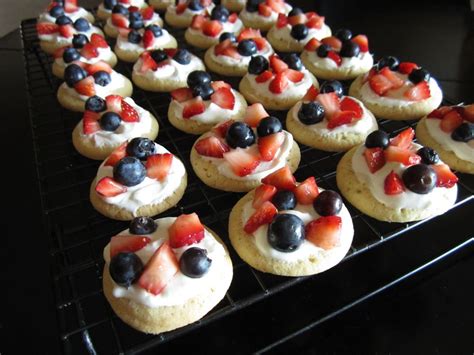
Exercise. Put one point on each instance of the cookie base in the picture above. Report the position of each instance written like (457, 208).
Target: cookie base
(177, 21)
(160, 5)
(200, 41)
(58, 70)
(259, 25)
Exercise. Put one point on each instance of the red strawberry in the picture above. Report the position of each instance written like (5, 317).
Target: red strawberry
(182, 94)
(89, 51)
(311, 14)
(393, 184)
(282, 179)
(269, 145)
(264, 77)
(282, 21)
(380, 84)
(85, 86)
(117, 154)
(400, 155)
(223, 98)
(254, 114)
(341, 118)
(349, 104)
(335, 57)
(46, 28)
(362, 41)
(219, 84)
(297, 19)
(330, 102)
(212, 28)
(315, 22)
(420, 91)
(120, 20)
(262, 194)
(186, 230)
(58, 53)
(114, 103)
(324, 232)
(277, 64)
(70, 7)
(403, 139)
(147, 13)
(242, 161)
(249, 33)
(127, 244)
(312, 45)
(230, 51)
(278, 84)
(440, 112)
(468, 113)
(90, 123)
(98, 41)
(99, 66)
(220, 48)
(264, 10)
(233, 17)
(193, 107)
(369, 75)
(198, 22)
(158, 166)
(66, 31)
(334, 42)
(147, 63)
(132, 8)
(294, 75)
(264, 215)
(260, 42)
(170, 52)
(148, 39)
(374, 158)
(390, 75)
(446, 177)
(129, 114)
(221, 129)
(211, 147)
(277, 5)
(180, 8)
(451, 121)
(123, 32)
(311, 94)
(406, 67)
(206, 3)
(159, 270)
(108, 187)
(307, 191)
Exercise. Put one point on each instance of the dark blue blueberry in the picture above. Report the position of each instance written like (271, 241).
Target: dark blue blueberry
(240, 135)
(286, 232)
(343, 34)
(295, 11)
(252, 5)
(389, 61)
(157, 32)
(299, 31)
(182, 56)
(74, 73)
(109, 4)
(142, 225)
(63, 20)
(227, 35)
(323, 50)
(418, 75)
(194, 262)
(258, 65)
(293, 61)
(220, 13)
(70, 55)
(158, 55)
(269, 125)
(135, 16)
(110, 121)
(205, 91)
(349, 49)
(129, 171)
(136, 24)
(125, 268)
(120, 9)
(428, 155)
(82, 25)
(464, 133)
(102, 78)
(136, 20)
(141, 148)
(96, 104)
(134, 37)
(284, 200)
(79, 40)
(311, 113)
(377, 139)
(420, 178)
(328, 203)
(56, 11)
(247, 47)
(332, 86)
(198, 77)
(195, 5)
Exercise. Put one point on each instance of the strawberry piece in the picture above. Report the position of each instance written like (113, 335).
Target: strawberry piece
(349, 104)
(264, 77)
(369, 75)
(264, 215)
(70, 8)
(393, 184)
(108, 187)
(335, 57)
(227, 49)
(170, 52)
(128, 114)
(279, 83)
(89, 51)
(114, 103)
(374, 158)
(420, 91)
(219, 84)
(330, 102)
(400, 155)
(120, 20)
(193, 107)
(260, 42)
(147, 63)
(85, 86)
(46, 28)
(282, 179)
(268, 146)
(282, 21)
(198, 22)
(132, 8)
(264, 10)
(211, 147)
(233, 17)
(249, 33)
(294, 75)
(316, 22)
(468, 113)
(186, 230)
(403, 139)
(119, 153)
(66, 31)
(147, 13)
(90, 123)
(451, 121)
(98, 41)
(182, 94)
(58, 53)
(406, 67)
(362, 41)
(277, 64)
(159, 270)
(312, 45)
(380, 84)
(334, 42)
(341, 118)
(297, 19)
(324, 232)
(148, 39)
(224, 98)
(390, 75)
(307, 191)
(127, 244)
(242, 161)
(99, 66)
(446, 177)
(123, 32)
(277, 5)
(254, 114)
(311, 94)
(206, 3)
(180, 8)
(212, 28)
(262, 194)
(221, 129)
(440, 112)
(158, 166)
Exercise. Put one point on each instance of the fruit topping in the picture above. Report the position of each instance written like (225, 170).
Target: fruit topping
(311, 113)
(446, 177)
(254, 114)
(420, 178)
(109, 121)
(224, 98)
(306, 191)
(330, 102)
(258, 64)
(377, 139)
(282, 179)
(362, 41)
(211, 147)
(420, 91)
(194, 262)
(328, 203)
(240, 135)
(141, 148)
(451, 121)
(125, 268)
(324, 232)
(263, 215)
(262, 194)
(401, 155)
(129, 171)
(428, 156)
(418, 75)
(158, 166)
(242, 161)
(299, 32)
(185, 230)
(142, 225)
(332, 86)
(268, 145)
(108, 187)
(127, 244)
(286, 232)
(193, 107)
(393, 184)
(403, 139)
(284, 200)
(463, 133)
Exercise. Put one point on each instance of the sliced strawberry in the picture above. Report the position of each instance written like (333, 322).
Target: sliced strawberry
(264, 10)
(307, 191)
(249, 33)
(254, 114)
(193, 107)
(311, 14)
(148, 39)
(268, 146)
(362, 41)
(330, 102)
(70, 7)
(99, 66)
(282, 21)
(374, 158)
(324, 232)
(90, 123)
(211, 147)
(198, 22)
(341, 118)
(114, 103)
(451, 121)
(373, 71)
(262, 194)
(58, 53)
(233, 17)
(406, 67)
(85, 86)
(226, 48)
(147, 13)
(403, 139)
(170, 52)
(335, 57)
(260, 42)
(263, 215)
(279, 83)
(297, 19)
(158, 166)
(420, 91)
(219, 84)
(186, 230)
(66, 31)
(147, 63)
(127, 244)
(393, 184)
(390, 75)
(400, 155)
(221, 129)
(312, 45)
(89, 51)
(242, 161)
(128, 114)
(277, 5)
(212, 28)
(223, 98)
(349, 104)
(380, 84)
(132, 8)
(180, 8)
(264, 76)
(315, 22)
(108, 187)
(311, 94)
(468, 113)
(120, 20)
(334, 42)
(446, 177)
(440, 112)
(123, 32)
(98, 41)
(206, 3)
(294, 75)
(182, 94)
(159, 270)
(117, 154)
(277, 64)
(46, 28)
(282, 179)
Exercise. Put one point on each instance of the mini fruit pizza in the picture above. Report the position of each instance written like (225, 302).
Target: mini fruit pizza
(123, 20)
(181, 15)
(64, 7)
(263, 14)
(109, 7)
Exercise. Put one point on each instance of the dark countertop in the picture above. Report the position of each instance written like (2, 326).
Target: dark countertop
(410, 294)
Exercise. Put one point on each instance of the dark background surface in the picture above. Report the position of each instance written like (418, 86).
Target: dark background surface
(427, 311)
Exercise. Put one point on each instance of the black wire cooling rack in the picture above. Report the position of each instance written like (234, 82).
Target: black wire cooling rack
(77, 234)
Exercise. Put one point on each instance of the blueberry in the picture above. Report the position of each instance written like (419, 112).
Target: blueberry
(227, 35)
(323, 50)
(129, 171)
(134, 36)
(63, 20)
(182, 56)
(74, 73)
(198, 77)
(102, 78)
(135, 16)
(299, 31)
(343, 34)
(79, 40)
(311, 113)
(158, 55)
(70, 55)
(286, 232)
(194, 262)
(141, 148)
(284, 200)
(136, 24)
(240, 135)
(428, 155)
(109, 4)
(157, 31)
(56, 11)
(220, 13)
(252, 5)
(464, 133)
(349, 49)
(419, 75)
(377, 139)
(247, 47)
(332, 86)
(419, 178)
(293, 61)
(142, 225)
(258, 65)
(328, 203)
(120, 9)
(96, 104)
(82, 25)
(205, 91)
(195, 5)
(125, 268)
(110, 121)
(269, 125)
(295, 11)
(390, 62)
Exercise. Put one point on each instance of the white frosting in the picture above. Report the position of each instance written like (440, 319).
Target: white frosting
(435, 200)
(159, 42)
(188, 13)
(363, 61)
(149, 191)
(463, 150)
(256, 17)
(80, 12)
(174, 71)
(243, 60)
(228, 26)
(105, 54)
(63, 41)
(155, 20)
(136, 3)
(284, 33)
